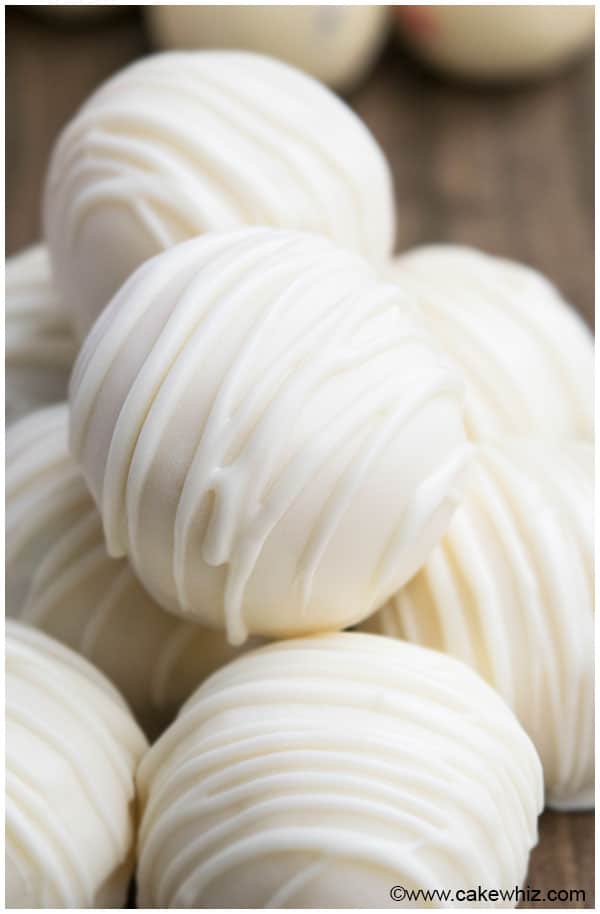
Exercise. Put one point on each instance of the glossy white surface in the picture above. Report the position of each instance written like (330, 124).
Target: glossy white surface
(60, 578)
(72, 748)
(183, 143)
(526, 355)
(510, 592)
(268, 431)
(39, 346)
(320, 772)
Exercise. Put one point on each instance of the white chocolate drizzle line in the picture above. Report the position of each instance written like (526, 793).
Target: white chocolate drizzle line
(48, 842)
(555, 684)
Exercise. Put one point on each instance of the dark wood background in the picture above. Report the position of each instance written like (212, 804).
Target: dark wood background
(508, 170)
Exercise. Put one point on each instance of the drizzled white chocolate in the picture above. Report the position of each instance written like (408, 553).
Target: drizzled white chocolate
(72, 748)
(60, 578)
(180, 144)
(509, 591)
(39, 345)
(269, 433)
(527, 357)
(320, 772)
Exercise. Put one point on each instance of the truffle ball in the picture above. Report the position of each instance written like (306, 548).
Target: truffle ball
(336, 44)
(60, 578)
(72, 748)
(526, 356)
(498, 43)
(269, 432)
(323, 772)
(180, 144)
(39, 345)
(509, 591)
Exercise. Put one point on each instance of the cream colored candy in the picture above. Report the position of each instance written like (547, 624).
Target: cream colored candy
(488, 42)
(180, 144)
(321, 772)
(527, 357)
(60, 579)
(72, 748)
(39, 345)
(510, 592)
(269, 433)
(336, 44)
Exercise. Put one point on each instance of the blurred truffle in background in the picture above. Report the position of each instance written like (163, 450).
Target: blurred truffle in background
(339, 44)
(497, 43)
(336, 44)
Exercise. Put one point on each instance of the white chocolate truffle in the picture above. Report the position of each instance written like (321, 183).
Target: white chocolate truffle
(498, 43)
(336, 44)
(60, 578)
(181, 144)
(72, 748)
(321, 772)
(269, 432)
(510, 592)
(39, 344)
(526, 356)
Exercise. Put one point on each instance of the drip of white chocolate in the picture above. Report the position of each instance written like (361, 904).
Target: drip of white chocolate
(321, 772)
(60, 578)
(269, 433)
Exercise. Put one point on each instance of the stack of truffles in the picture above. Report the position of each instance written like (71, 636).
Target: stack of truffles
(274, 431)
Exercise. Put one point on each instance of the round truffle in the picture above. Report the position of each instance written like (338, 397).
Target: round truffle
(509, 591)
(336, 44)
(497, 43)
(60, 578)
(39, 345)
(526, 356)
(269, 432)
(323, 772)
(180, 144)
(72, 748)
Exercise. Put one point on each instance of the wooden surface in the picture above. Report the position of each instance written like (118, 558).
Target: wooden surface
(509, 171)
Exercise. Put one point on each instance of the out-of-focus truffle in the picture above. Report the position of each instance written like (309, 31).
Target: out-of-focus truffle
(180, 144)
(39, 345)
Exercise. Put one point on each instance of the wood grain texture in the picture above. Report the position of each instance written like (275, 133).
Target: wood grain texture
(510, 171)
